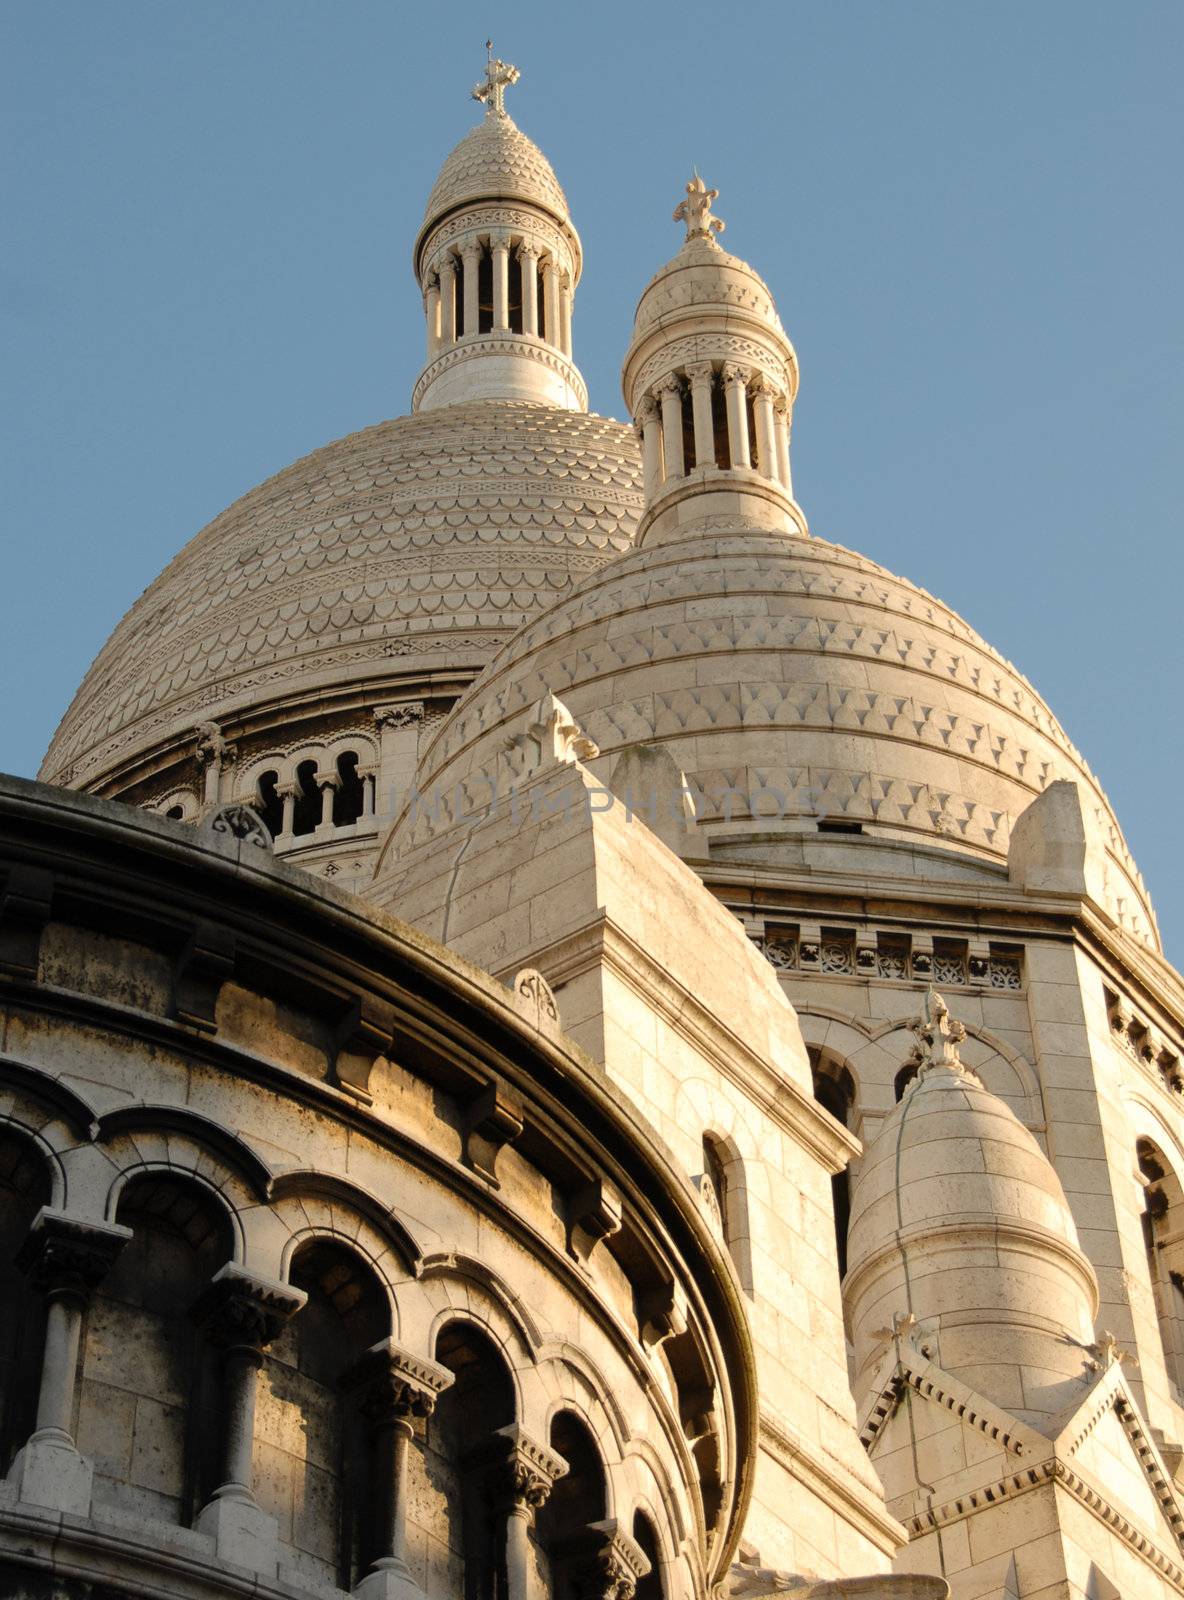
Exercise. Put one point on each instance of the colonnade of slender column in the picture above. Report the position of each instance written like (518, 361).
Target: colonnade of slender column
(660, 424)
(457, 278)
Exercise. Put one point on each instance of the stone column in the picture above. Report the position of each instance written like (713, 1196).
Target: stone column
(501, 281)
(565, 304)
(650, 431)
(288, 794)
(447, 301)
(735, 390)
(766, 446)
(213, 753)
(66, 1259)
(471, 256)
(241, 1314)
(328, 782)
(368, 776)
(520, 1485)
(670, 394)
(528, 256)
(393, 1389)
(781, 422)
(701, 376)
(431, 307)
(552, 331)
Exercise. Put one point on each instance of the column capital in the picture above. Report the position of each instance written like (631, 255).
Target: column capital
(670, 385)
(647, 411)
(528, 252)
(760, 386)
(470, 250)
(68, 1257)
(399, 716)
(701, 372)
(287, 791)
(500, 240)
(616, 1563)
(781, 407)
(327, 778)
(395, 1386)
(732, 374)
(240, 1311)
(525, 1476)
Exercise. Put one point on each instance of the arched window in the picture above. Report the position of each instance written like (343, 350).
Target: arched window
(307, 813)
(577, 1500)
(1163, 1218)
(269, 805)
(347, 798)
(312, 1460)
(458, 1459)
(651, 1586)
(24, 1189)
(903, 1078)
(147, 1398)
(834, 1089)
(725, 1199)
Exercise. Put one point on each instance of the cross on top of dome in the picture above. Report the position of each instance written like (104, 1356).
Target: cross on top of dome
(499, 76)
(695, 210)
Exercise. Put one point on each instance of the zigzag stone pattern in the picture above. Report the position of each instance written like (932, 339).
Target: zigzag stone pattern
(430, 536)
(790, 679)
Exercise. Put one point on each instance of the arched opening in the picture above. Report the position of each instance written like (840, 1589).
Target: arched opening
(348, 796)
(485, 291)
(515, 292)
(148, 1399)
(651, 1587)
(724, 1193)
(307, 812)
(834, 1089)
(176, 813)
(269, 805)
(24, 1189)
(541, 305)
(903, 1078)
(1163, 1240)
(565, 1541)
(460, 1462)
(312, 1457)
(689, 457)
(719, 423)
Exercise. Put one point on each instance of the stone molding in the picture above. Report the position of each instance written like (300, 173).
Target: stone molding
(392, 1384)
(500, 342)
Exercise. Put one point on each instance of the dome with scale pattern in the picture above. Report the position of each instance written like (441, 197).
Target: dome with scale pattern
(495, 161)
(420, 542)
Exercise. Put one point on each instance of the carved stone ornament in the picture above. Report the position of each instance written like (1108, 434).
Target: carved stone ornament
(393, 1386)
(499, 76)
(526, 1476)
(695, 211)
(239, 822)
(535, 996)
(400, 716)
(612, 1571)
(1107, 1352)
(64, 1255)
(552, 736)
(211, 745)
(239, 1311)
(939, 1036)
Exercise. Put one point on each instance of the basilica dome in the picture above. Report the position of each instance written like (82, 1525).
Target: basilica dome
(495, 161)
(422, 541)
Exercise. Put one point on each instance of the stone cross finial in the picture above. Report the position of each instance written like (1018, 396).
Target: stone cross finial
(939, 1034)
(499, 76)
(695, 210)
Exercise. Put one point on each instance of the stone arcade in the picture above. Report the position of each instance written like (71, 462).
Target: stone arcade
(478, 1117)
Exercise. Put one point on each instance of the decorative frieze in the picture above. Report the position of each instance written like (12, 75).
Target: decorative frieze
(1143, 1042)
(888, 955)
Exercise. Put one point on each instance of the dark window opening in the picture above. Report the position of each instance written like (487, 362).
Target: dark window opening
(176, 813)
(24, 1189)
(271, 807)
(719, 424)
(542, 304)
(307, 815)
(576, 1500)
(902, 1080)
(651, 1586)
(832, 825)
(515, 306)
(689, 457)
(348, 796)
(753, 453)
(485, 292)
(834, 1089)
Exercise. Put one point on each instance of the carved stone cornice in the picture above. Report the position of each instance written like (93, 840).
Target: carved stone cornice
(393, 1387)
(240, 1311)
(68, 1257)
(500, 341)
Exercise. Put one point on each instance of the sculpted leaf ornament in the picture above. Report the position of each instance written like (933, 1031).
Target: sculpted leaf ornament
(695, 211)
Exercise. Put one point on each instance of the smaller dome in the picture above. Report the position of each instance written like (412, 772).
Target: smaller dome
(495, 161)
(959, 1221)
(703, 277)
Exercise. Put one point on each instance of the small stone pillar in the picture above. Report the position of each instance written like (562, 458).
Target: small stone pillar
(735, 390)
(551, 329)
(393, 1388)
(781, 420)
(471, 256)
(328, 781)
(670, 395)
(288, 794)
(650, 429)
(431, 308)
(528, 256)
(501, 281)
(565, 305)
(66, 1259)
(241, 1314)
(398, 728)
(701, 375)
(448, 301)
(762, 407)
(520, 1485)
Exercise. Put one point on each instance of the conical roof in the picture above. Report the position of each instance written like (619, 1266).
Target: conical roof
(495, 161)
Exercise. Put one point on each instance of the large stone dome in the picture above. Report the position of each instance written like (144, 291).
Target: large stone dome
(793, 682)
(419, 542)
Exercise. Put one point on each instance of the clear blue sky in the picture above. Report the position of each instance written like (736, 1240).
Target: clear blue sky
(970, 215)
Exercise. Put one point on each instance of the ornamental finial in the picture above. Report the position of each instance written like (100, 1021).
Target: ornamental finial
(939, 1035)
(499, 75)
(695, 210)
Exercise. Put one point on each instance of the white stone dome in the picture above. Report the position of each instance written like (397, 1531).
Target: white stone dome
(702, 277)
(792, 680)
(495, 161)
(959, 1221)
(419, 542)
